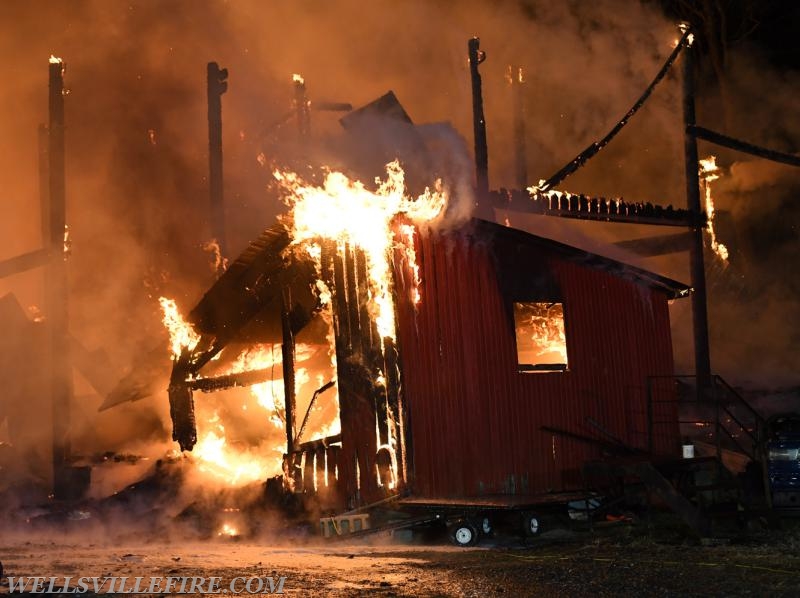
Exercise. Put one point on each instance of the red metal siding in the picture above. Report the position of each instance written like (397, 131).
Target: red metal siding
(474, 421)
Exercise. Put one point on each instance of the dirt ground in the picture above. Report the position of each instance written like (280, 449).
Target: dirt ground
(618, 562)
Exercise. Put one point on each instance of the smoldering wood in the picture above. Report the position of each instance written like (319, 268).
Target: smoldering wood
(181, 404)
(248, 378)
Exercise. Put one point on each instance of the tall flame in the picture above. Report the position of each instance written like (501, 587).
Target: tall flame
(709, 172)
(347, 212)
(181, 334)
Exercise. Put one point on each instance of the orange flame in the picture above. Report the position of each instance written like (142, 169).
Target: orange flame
(347, 212)
(181, 334)
(709, 172)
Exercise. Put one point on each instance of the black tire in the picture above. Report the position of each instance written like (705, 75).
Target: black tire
(463, 533)
(484, 525)
(531, 524)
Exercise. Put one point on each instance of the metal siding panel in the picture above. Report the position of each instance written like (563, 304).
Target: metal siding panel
(474, 421)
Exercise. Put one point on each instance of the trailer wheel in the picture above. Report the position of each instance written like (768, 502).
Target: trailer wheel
(531, 526)
(463, 533)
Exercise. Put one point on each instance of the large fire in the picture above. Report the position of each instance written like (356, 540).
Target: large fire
(345, 211)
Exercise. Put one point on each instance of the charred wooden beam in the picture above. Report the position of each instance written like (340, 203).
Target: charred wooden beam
(24, 262)
(313, 400)
(57, 308)
(216, 86)
(592, 150)
(181, 404)
(331, 106)
(350, 300)
(658, 245)
(582, 207)
(742, 146)
(319, 442)
(702, 357)
(476, 57)
(248, 378)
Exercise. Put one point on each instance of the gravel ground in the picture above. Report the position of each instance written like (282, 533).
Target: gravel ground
(620, 562)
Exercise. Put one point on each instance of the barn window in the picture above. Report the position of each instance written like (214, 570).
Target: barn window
(541, 342)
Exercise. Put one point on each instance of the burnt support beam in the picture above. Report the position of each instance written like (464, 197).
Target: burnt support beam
(288, 353)
(697, 265)
(476, 57)
(24, 262)
(216, 86)
(743, 146)
(57, 308)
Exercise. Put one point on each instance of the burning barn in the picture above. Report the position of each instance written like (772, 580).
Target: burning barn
(468, 361)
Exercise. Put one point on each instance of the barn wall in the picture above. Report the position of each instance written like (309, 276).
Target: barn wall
(474, 421)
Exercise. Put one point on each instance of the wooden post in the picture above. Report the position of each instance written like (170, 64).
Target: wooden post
(57, 308)
(697, 266)
(476, 57)
(216, 86)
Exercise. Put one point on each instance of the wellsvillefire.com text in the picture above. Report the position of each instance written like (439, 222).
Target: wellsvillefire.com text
(146, 585)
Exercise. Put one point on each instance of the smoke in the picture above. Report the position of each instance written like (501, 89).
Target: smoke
(137, 147)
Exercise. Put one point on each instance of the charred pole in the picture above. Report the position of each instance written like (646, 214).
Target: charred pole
(288, 354)
(476, 57)
(517, 83)
(216, 86)
(301, 106)
(697, 264)
(44, 183)
(56, 284)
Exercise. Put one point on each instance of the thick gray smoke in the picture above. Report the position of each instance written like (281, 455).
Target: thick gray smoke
(137, 145)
